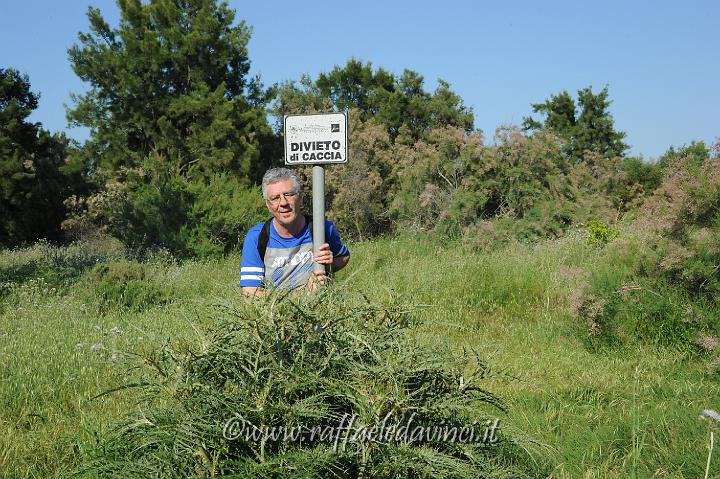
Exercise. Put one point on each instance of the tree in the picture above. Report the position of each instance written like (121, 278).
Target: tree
(177, 127)
(694, 155)
(400, 103)
(171, 80)
(32, 183)
(647, 175)
(587, 126)
(354, 85)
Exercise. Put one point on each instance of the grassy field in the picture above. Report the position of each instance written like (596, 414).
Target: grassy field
(66, 336)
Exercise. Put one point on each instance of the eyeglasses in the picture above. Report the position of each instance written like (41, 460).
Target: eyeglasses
(276, 198)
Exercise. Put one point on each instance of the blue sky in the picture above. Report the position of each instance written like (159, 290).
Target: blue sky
(659, 59)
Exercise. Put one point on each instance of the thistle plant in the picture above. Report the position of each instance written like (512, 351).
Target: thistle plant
(331, 385)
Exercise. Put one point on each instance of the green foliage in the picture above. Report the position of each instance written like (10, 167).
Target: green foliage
(125, 284)
(522, 173)
(153, 213)
(400, 103)
(683, 215)
(587, 126)
(57, 266)
(441, 177)
(647, 175)
(430, 177)
(355, 85)
(692, 155)
(33, 183)
(171, 79)
(147, 208)
(222, 211)
(600, 234)
(663, 288)
(530, 187)
(359, 191)
(622, 306)
(178, 133)
(308, 364)
(451, 183)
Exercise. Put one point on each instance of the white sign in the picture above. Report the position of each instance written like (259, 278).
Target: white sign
(316, 139)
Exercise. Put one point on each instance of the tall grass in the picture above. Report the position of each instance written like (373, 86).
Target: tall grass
(605, 412)
(516, 302)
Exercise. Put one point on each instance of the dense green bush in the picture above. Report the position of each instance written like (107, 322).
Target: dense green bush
(151, 207)
(647, 175)
(449, 182)
(692, 155)
(600, 233)
(358, 193)
(309, 364)
(429, 177)
(615, 312)
(531, 188)
(57, 265)
(662, 281)
(684, 219)
(154, 214)
(222, 211)
(125, 284)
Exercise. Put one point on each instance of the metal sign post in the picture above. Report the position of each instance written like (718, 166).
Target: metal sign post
(318, 231)
(316, 139)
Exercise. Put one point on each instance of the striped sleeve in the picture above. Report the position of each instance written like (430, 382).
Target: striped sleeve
(332, 237)
(252, 269)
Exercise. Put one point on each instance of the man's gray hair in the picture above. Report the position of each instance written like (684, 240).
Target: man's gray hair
(274, 175)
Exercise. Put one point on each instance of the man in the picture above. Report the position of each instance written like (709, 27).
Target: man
(288, 257)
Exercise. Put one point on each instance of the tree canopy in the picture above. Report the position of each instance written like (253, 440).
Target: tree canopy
(398, 102)
(171, 79)
(179, 139)
(32, 185)
(585, 126)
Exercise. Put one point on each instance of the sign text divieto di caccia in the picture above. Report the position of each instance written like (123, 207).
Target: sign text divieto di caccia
(316, 139)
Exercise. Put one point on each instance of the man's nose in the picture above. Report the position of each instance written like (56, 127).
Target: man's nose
(283, 200)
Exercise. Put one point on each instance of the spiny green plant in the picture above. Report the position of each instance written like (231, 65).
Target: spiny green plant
(311, 365)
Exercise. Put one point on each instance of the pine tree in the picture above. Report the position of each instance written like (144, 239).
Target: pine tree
(32, 185)
(398, 102)
(171, 79)
(587, 126)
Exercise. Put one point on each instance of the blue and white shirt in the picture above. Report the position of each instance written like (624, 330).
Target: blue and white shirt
(288, 261)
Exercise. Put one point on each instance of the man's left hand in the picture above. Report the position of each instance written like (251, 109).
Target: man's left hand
(324, 255)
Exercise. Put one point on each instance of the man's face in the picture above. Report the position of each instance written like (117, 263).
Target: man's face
(283, 201)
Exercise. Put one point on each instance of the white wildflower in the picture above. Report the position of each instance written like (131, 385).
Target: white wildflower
(710, 414)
